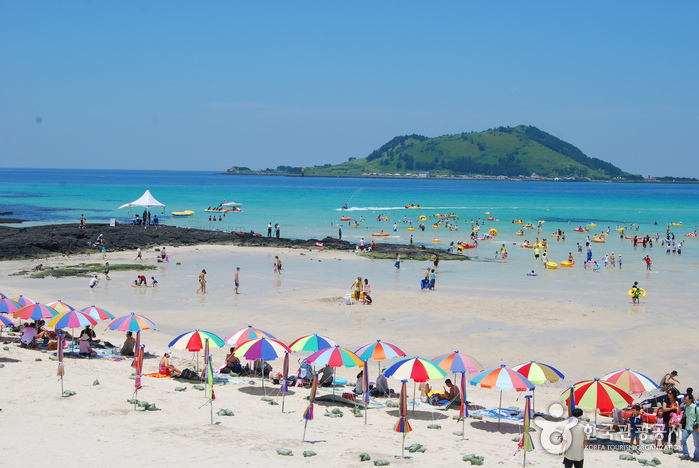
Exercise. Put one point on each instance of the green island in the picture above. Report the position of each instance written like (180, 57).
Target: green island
(521, 153)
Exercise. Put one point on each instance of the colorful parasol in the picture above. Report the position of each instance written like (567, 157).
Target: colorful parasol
(23, 301)
(71, 319)
(264, 349)
(314, 342)
(335, 357)
(132, 322)
(379, 351)
(35, 312)
(403, 425)
(526, 443)
(457, 362)
(194, 340)
(6, 321)
(630, 381)
(308, 412)
(415, 369)
(502, 378)
(97, 313)
(60, 306)
(246, 334)
(8, 306)
(598, 394)
(538, 373)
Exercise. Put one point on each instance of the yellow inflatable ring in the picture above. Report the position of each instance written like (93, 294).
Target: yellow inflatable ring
(422, 218)
(552, 265)
(567, 264)
(641, 290)
(493, 232)
(436, 240)
(411, 229)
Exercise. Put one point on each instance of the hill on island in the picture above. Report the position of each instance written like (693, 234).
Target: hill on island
(503, 151)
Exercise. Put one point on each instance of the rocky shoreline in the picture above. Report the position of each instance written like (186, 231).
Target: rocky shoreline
(67, 239)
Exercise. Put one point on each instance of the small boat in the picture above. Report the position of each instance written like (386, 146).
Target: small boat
(412, 207)
(183, 213)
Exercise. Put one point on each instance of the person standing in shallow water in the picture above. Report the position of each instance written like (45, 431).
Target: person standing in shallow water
(236, 280)
(202, 282)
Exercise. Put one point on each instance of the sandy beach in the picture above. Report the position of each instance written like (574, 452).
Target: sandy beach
(576, 323)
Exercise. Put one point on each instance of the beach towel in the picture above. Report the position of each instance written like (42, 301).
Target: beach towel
(157, 375)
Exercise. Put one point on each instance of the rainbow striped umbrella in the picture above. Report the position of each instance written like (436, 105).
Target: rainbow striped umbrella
(335, 357)
(457, 362)
(538, 373)
(263, 348)
(8, 306)
(23, 301)
(71, 319)
(314, 342)
(194, 340)
(35, 312)
(2, 296)
(60, 306)
(379, 351)
(415, 369)
(308, 412)
(5, 321)
(132, 322)
(502, 378)
(403, 425)
(246, 334)
(598, 394)
(630, 381)
(97, 313)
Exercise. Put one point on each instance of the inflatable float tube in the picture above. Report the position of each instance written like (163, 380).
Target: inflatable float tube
(380, 234)
(422, 218)
(527, 246)
(691, 234)
(567, 264)
(411, 229)
(599, 240)
(520, 233)
(675, 224)
(531, 274)
(493, 232)
(345, 218)
(592, 225)
(581, 229)
(182, 213)
(552, 265)
(436, 240)
(435, 226)
(467, 246)
(339, 382)
(642, 291)
(491, 219)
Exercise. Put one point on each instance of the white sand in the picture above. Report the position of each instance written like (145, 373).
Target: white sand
(571, 321)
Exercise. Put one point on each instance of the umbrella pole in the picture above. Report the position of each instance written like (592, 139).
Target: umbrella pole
(303, 439)
(402, 447)
(334, 374)
(533, 406)
(499, 407)
(524, 461)
(414, 387)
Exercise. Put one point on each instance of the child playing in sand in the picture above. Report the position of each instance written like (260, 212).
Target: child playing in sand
(659, 428)
(154, 282)
(635, 423)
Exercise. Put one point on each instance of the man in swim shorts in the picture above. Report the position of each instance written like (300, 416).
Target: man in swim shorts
(236, 280)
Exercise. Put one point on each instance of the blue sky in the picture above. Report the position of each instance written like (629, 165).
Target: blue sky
(209, 85)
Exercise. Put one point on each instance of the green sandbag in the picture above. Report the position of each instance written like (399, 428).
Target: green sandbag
(266, 398)
(413, 448)
(198, 387)
(357, 412)
(645, 462)
(132, 401)
(434, 426)
(332, 414)
(68, 393)
(53, 358)
(309, 453)
(656, 461)
(458, 433)
(474, 459)
(38, 359)
(476, 417)
(95, 383)
(338, 412)
(142, 404)
(225, 412)
(364, 456)
(152, 407)
(381, 463)
(391, 404)
(180, 389)
(2, 365)
(272, 402)
(627, 457)
(5, 348)
(285, 451)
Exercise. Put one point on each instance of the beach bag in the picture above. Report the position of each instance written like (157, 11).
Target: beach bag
(675, 419)
(189, 374)
(348, 298)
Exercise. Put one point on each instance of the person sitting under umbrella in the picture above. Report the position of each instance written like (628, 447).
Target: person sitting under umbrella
(451, 392)
(85, 348)
(381, 387)
(232, 363)
(166, 368)
(326, 377)
(262, 368)
(129, 344)
(28, 335)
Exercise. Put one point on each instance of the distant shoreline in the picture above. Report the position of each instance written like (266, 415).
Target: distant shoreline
(479, 179)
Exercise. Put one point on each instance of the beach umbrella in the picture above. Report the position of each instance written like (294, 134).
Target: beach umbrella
(59, 353)
(246, 334)
(97, 313)
(195, 340)
(210, 384)
(8, 306)
(379, 351)
(23, 301)
(598, 394)
(415, 369)
(463, 408)
(35, 312)
(403, 425)
(71, 319)
(138, 364)
(526, 443)
(308, 412)
(131, 322)
(457, 362)
(284, 388)
(335, 357)
(538, 373)
(630, 381)
(266, 349)
(503, 379)
(571, 400)
(6, 321)
(314, 342)
(60, 306)
(2, 296)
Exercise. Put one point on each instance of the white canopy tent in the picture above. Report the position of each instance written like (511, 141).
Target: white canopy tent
(146, 201)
